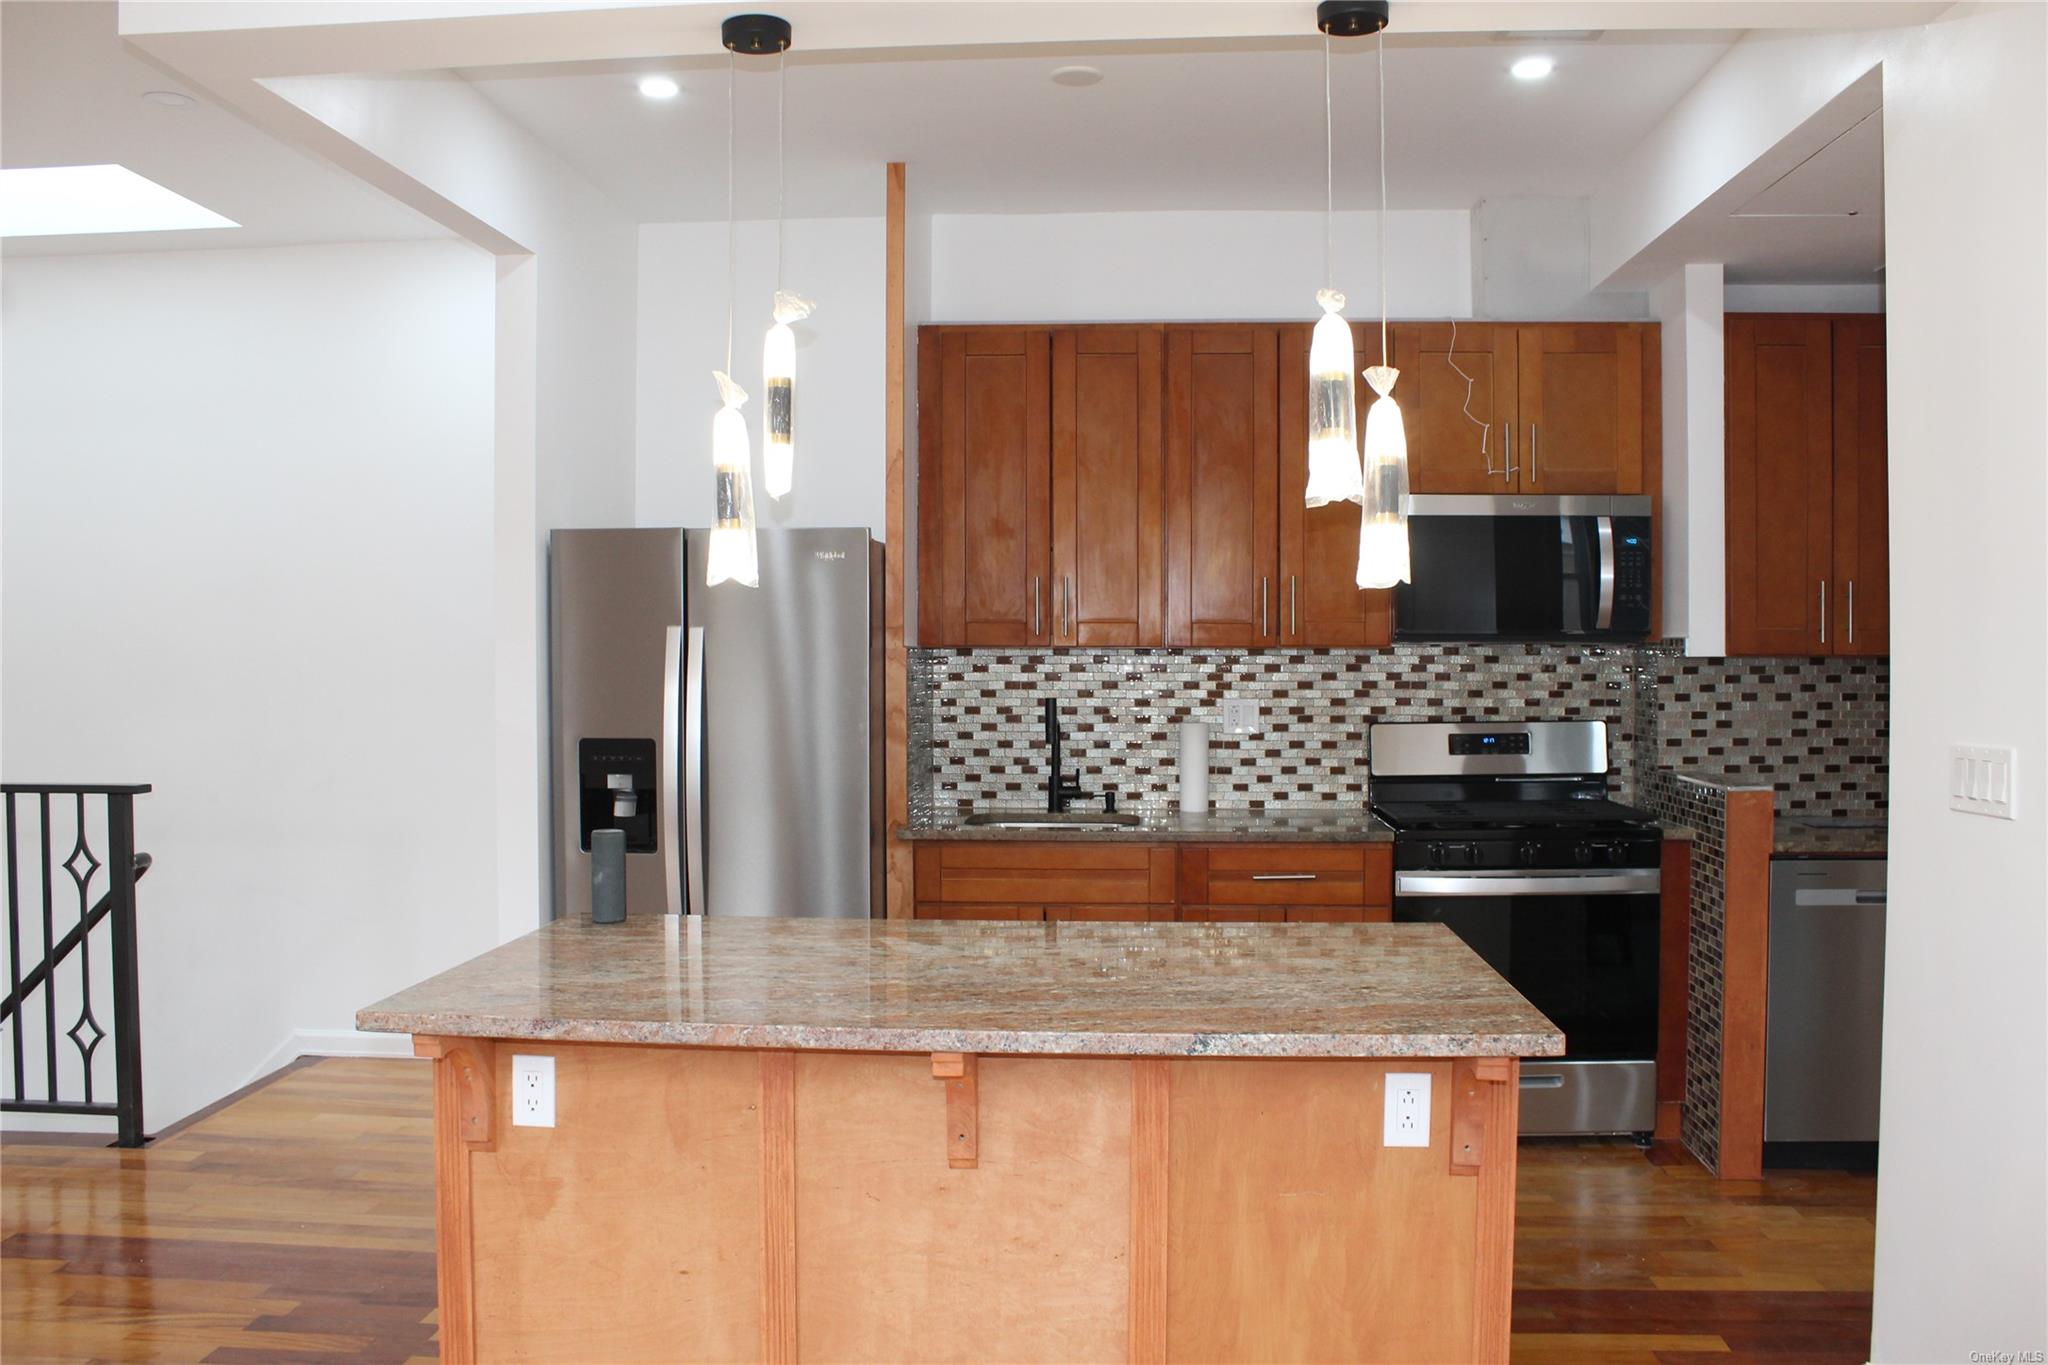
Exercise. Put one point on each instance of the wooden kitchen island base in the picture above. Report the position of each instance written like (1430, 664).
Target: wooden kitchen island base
(704, 1203)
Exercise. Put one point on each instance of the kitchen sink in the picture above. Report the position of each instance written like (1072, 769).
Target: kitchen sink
(1071, 819)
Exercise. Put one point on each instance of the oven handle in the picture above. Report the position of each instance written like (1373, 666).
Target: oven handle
(1537, 882)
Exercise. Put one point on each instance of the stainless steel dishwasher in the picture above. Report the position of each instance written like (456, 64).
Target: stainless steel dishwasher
(1824, 1024)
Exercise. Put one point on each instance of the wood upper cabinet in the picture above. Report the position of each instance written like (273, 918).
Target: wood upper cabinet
(1317, 597)
(1447, 422)
(1222, 486)
(1580, 395)
(1862, 495)
(1107, 487)
(984, 486)
(1780, 454)
(1562, 408)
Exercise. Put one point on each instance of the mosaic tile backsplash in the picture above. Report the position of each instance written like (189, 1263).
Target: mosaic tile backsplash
(1816, 729)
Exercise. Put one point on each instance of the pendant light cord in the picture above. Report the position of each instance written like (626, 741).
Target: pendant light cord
(1380, 41)
(781, 177)
(1329, 169)
(731, 231)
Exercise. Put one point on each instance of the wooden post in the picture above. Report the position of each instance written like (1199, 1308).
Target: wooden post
(464, 1093)
(898, 892)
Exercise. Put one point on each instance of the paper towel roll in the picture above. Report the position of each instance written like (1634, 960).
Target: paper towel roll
(1194, 768)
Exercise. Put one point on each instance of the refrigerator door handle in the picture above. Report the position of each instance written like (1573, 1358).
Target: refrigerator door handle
(668, 817)
(693, 768)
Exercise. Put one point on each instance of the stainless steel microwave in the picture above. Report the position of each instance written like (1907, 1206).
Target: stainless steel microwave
(1489, 567)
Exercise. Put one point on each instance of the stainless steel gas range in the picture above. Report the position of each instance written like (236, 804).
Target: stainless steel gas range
(1505, 833)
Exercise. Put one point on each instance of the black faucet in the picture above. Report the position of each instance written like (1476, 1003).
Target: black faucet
(1059, 789)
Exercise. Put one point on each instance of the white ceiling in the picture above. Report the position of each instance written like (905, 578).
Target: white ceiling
(1194, 125)
(70, 94)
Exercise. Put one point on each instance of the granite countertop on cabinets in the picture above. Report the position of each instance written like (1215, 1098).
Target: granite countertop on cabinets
(1795, 836)
(1056, 988)
(1346, 825)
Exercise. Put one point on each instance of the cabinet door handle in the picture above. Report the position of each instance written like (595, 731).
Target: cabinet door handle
(1534, 477)
(1034, 605)
(1293, 605)
(1064, 581)
(1823, 611)
(1852, 611)
(1283, 876)
(1264, 628)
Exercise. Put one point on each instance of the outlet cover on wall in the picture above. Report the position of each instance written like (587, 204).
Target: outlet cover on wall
(1407, 1122)
(533, 1091)
(1980, 780)
(1240, 717)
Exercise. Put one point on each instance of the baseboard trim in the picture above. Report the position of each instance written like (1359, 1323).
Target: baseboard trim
(330, 1042)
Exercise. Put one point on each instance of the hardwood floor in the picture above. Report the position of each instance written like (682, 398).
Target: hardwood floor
(296, 1224)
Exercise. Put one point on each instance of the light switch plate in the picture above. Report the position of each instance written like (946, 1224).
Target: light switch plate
(1240, 717)
(1407, 1119)
(1981, 780)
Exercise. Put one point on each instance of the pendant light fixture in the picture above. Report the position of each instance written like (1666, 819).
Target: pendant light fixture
(733, 556)
(778, 354)
(1333, 468)
(1383, 520)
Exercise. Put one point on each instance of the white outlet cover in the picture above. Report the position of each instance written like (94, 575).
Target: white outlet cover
(1407, 1117)
(533, 1091)
(1240, 717)
(1981, 780)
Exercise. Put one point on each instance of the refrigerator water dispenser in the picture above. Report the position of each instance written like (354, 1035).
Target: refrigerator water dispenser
(616, 782)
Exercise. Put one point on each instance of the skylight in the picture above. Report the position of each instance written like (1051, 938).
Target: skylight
(50, 201)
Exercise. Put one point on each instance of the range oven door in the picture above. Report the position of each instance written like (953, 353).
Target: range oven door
(1581, 946)
(1535, 568)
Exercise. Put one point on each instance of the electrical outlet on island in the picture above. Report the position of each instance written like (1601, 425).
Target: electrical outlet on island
(533, 1091)
(1407, 1119)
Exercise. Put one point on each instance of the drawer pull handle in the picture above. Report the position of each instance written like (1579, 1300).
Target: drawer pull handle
(1283, 876)
(1550, 1082)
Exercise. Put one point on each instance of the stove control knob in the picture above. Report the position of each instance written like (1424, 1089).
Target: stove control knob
(1529, 854)
(1616, 855)
(1582, 854)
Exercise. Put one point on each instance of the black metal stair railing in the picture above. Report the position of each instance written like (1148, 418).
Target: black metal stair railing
(38, 975)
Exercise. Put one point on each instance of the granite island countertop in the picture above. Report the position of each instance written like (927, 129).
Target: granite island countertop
(1794, 836)
(1060, 988)
(1346, 825)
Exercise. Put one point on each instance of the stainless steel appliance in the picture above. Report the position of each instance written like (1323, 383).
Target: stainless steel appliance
(734, 734)
(1824, 1012)
(1505, 833)
(1488, 567)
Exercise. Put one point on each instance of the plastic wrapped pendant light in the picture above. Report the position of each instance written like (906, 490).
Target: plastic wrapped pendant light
(732, 556)
(778, 419)
(1383, 524)
(1333, 474)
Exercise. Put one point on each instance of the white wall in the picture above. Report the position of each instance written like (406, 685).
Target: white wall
(1962, 1205)
(1120, 267)
(1805, 298)
(247, 557)
(837, 263)
(1693, 553)
(1532, 260)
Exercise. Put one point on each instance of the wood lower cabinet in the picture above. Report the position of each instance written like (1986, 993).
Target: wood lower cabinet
(1222, 486)
(984, 486)
(1317, 597)
(941, 910)
(1294, 882)
(1059, 880)
(1807, 493)
(1107, 494)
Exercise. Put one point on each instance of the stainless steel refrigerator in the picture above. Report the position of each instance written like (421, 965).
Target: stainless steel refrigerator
(734, 734)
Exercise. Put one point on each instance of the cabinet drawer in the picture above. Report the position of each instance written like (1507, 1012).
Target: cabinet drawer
(992, 912)
(1044, 874)
(1288, 875)
(1230, 914)
(1109, 914)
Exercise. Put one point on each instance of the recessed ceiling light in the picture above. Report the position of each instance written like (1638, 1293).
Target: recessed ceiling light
(1076, 75)
(169, 99)
(659, 87)
(52, 201)
(1532, 68)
